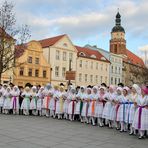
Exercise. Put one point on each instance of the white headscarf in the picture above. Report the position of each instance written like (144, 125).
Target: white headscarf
(137, 88)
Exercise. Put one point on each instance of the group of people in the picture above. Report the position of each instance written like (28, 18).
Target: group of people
(123, 108)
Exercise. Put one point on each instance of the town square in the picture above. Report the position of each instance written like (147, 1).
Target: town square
(73, 74)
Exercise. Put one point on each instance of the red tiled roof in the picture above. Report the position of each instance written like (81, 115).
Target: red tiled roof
(50, 41)
(89, 53)
(134, 59)
(3, 33)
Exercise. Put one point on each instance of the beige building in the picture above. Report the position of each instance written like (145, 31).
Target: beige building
(92, 67)
(59, 51)
(33, 68)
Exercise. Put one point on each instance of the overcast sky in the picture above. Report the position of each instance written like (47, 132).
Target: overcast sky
(85, 21)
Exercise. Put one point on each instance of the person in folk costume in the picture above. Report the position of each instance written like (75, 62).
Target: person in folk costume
(100, 105)
(26, 101)
(59, 103)
(66, 101)
(72, 103)
(91, 105)
(95, 96)
(53, 101)
(122, 110)
(7, 100)
(140, 121)
(108, 108)
(1, 98)
(135, 92)
(15, 100)
(85, 100)
(40, 97)
(119, 97)
(79, 102)
(33, 103)
(48, 92)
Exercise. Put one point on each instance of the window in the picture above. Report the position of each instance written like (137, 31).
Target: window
(85, 77)
(64, 56)
(80, 77)
(71, 56)
(112, 69)
(80, 64)
(30, 72)
(119, 70)
(36, 73)
(36, 60)
(111, 80)
(119, 80)
(57, 71)
(115, 69)
(106, 80)
(44, 73)
(115, 81)
(21, 71)
(97, 66)
(57, 55)
(96, 79)
(91, 66)
(86, 64)
(101, 79)
(91, 78)
(101, 66)
(29, 59)
(63, 72)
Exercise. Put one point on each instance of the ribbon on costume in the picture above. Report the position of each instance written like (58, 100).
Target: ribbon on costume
(93, 107)
(139, 116)
(61, 104)
(14, 102)
(47, 102)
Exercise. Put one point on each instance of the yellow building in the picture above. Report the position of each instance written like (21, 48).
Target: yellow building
(33, 68)
(59, 51)
(92, 67)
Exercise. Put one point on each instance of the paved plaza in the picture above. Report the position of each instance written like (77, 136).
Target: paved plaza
(41, 132)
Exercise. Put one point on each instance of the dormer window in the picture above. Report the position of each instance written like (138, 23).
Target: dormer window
(82, 54)
(93, 56)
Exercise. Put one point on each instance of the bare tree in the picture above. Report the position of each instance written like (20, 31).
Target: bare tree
(10, 35)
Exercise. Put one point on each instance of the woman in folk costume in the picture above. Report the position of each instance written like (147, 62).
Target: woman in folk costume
(119, 97)
(33, 104)
(48, 92)
(108, 108)
(72, 103)
(59, 103)
(92, 103)
(7, 100)
(123, 108)
(26, 101)
(100, 105)
(66, 101)
(140, 121)
(53, 101)
(40, 97)
(79, 101)
(85, 100)
(15, 100)
(135, 92)
(1, 98)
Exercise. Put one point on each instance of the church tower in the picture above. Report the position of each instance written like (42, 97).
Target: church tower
(118, 42)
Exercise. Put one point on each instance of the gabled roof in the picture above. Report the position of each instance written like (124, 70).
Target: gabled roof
(134, 59)
(89, 53)
(50, 41)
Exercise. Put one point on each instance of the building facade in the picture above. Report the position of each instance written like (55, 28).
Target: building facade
(33, 68)
(133, 69)
(92, 67)
(115, 67)
(61, 54)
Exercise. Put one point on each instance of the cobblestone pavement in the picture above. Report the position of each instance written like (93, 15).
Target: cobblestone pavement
(41, 132)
